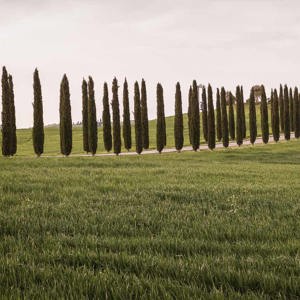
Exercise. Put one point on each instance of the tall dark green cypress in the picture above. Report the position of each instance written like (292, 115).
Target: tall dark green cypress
(195, 137)
(243, 114)
(161, 137)
(291, 110)
(195, 117)
(92, 118)
(12, 111)
(65, 118)
(275, 105)
(281, 108)
(211, 119)
(6, 122)
(204, 114)
(231, 117)
(189, 114)
(219, 118)
(197, 109)
(144, 115)
(178, 119)
(272, 109)
(287, 129)
(126, 118)
(138, 119)
(225, 133)
(252, 117)
(85, 130)
(239, 117)
(106, 121)
(296, 113)
(264, 116)
(116, 118)
(38, 135)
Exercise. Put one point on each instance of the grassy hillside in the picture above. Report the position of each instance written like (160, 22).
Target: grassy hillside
(219, 224)
(52, 136)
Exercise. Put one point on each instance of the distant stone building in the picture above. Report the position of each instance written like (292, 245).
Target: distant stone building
(257, 92)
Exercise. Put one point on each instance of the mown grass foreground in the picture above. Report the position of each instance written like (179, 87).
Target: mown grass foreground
(190, 225)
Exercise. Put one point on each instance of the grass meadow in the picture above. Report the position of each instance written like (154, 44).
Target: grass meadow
(205, 225)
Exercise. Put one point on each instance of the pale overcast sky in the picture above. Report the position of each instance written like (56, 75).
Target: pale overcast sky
(224, 42)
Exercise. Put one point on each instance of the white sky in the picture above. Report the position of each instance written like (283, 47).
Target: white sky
(224, 42)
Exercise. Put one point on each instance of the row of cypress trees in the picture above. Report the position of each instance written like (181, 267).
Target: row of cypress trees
(112, 130)
(228, 126)
(285, 116)
(281, 114)
(214, 127)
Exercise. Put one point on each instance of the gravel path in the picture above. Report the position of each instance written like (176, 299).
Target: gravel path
(170, 150)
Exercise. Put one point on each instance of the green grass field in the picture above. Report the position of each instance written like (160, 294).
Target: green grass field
(210, 225)
(52, 143)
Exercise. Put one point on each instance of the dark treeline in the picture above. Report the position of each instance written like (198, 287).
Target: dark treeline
(222, 120)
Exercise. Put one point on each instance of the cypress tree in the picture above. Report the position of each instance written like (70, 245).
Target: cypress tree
(296, 113)
(178, 119)
(275, 104)
(264, 116)
(12, 112)
(204, 114)
(107, 137)
(85, 131)
(231, 117)
(291, 110)
(219, 118)
(65, 118)
(161, 122)
(272, 110)
(195, 117)
(211, 119)
(126, 118)
(38, 121)
(137, 119)
(243, 113)
(197, 110)
(252, 117)
(287, 130)
(195, 138)
(6, 120)
(225, 134)
(281, 108)
(190, 115)
(116, 117)
(92, 118)
(144, 114)
(239, 117)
